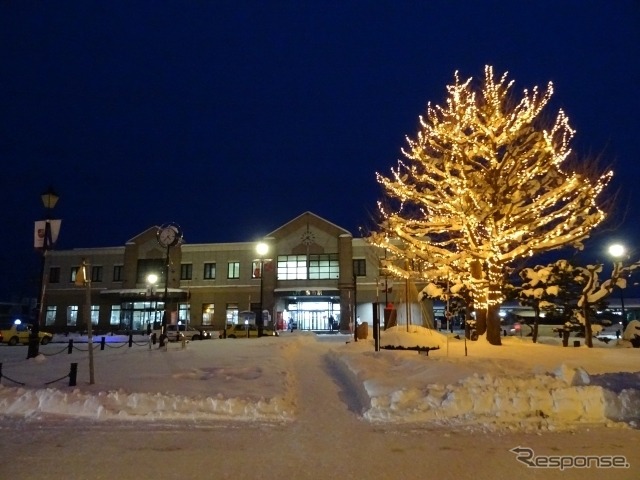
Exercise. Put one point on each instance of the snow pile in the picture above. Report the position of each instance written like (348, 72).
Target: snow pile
(120, 405)
(519, 386)
(492, 393)
(545, 400)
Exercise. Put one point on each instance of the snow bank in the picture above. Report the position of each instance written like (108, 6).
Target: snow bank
(120, 405)
(513, 386)
(550, 401)
(511, 393)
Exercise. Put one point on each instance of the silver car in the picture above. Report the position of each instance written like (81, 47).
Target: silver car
(176, 332)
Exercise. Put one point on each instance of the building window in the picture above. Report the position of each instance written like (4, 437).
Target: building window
(117, 273)
(95, 314)
(233, 270)
(115, 315)
(207, 313)
(184, 313)
(148, 266)
(74, 274)
(72, 313)
(322, 267)
(209, 271)
(50, 315)
(54, 275)
(256, 270)
(186, 271)
(292, 267)
(232, 313)
(96, 274)
(360, 267)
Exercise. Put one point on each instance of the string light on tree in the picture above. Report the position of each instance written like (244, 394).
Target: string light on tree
(485, 182)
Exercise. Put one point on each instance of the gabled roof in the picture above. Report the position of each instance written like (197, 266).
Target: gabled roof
(309, 217)
(145, 233)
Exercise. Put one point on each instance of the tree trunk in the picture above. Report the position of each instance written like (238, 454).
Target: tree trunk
(494, 332)
(588, 332)
(536, 321)
(481, 321)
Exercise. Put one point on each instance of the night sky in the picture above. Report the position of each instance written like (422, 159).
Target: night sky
(233, 117)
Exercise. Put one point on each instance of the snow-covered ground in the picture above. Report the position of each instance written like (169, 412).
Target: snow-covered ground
(519, 386)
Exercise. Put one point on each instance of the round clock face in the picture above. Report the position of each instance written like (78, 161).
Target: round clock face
(168, 236)
(307, 237)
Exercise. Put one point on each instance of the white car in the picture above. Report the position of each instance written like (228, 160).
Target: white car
(176, 332)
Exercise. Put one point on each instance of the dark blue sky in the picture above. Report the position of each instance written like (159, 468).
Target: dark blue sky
(233, 117)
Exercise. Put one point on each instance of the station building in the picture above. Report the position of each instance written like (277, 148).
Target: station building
(315, 275)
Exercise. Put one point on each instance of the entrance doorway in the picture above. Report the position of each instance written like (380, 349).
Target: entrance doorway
(315, 315)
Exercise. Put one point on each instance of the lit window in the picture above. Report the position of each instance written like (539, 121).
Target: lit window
(115, 315)
(232, 313)
(95, 314)
(292, 267)
(233, 270)
(50, 316)
(322, 267)
(72, 314)
(207, 313)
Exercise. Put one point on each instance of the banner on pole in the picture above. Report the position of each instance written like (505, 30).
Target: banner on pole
(40, 232)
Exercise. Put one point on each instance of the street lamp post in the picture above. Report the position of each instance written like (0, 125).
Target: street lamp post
(261, 249)
(43, 231)
(152, 279)
(618, 251)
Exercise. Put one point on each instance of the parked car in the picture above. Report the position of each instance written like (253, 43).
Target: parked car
(20, 333)
(176, 332)
(240, 331)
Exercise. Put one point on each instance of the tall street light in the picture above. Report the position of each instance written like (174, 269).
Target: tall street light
(152, 279)
(618, 252)
(45, 237)
(261, 249)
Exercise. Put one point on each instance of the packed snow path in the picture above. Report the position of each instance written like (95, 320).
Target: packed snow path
(315, 378)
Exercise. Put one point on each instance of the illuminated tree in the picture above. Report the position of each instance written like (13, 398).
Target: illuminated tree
(485, 182)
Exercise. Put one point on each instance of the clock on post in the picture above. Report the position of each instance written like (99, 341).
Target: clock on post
(169, 235)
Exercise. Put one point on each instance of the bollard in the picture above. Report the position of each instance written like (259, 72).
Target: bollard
(73, 373)
(102, 343)
(70, 347)
(184, 342)
(130, 340)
